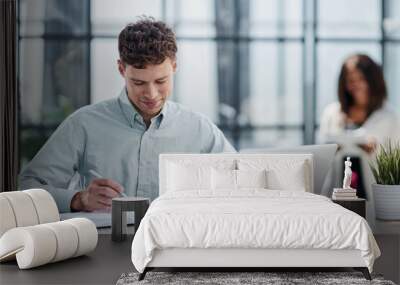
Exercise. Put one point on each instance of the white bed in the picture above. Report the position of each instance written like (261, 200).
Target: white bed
(281, 224)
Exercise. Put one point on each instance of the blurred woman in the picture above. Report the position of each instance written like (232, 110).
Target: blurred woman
(362, 116)
(361, 120)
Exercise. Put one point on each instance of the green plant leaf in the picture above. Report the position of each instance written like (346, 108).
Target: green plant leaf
(386, 167)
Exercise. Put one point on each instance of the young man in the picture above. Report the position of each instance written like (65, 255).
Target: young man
(113, 146)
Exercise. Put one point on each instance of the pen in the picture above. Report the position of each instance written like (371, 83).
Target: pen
(97, 175)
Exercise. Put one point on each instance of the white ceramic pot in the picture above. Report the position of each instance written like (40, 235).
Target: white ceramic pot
(387, 201)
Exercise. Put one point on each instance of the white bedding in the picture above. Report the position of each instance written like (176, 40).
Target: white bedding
(251, 218)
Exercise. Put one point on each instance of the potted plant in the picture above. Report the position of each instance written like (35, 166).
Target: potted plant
(386, 170)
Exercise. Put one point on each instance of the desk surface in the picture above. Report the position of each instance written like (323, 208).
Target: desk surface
(111, 259)
(102, 266)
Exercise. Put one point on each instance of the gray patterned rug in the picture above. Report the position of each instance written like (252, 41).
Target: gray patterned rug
(228, 278)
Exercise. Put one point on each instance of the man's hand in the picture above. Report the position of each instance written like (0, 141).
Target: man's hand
(97, 196)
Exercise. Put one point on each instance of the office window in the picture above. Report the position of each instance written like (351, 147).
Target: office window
(391, 22)
(247, 65)
(215, 48)
(192, 19)
(349, 19)
(109, 17)
(275, 96)
(53, 67)
(105, 78)
(46, 79)
(195, 80)
(373, 30)
(273, 18)
(53, 17)
(392, 73)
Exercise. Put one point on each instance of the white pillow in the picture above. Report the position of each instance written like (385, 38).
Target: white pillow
(187, 177)
(237, 179)
(293, 179)
(251, 178)
(223, 179)
(288, 174)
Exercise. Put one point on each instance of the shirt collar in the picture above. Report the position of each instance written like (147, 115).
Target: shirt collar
(133, 116)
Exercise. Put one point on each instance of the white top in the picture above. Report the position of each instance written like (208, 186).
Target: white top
(380, 125)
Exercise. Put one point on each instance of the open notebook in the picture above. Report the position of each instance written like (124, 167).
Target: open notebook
(101, 219)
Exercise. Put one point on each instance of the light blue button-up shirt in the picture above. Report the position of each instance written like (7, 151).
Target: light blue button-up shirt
(112, 139)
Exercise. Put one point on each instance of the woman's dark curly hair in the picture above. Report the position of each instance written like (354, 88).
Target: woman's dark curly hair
(146, 42)
(373, 75)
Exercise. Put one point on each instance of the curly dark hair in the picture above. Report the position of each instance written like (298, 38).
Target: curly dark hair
(146, 42)
(373, 75)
